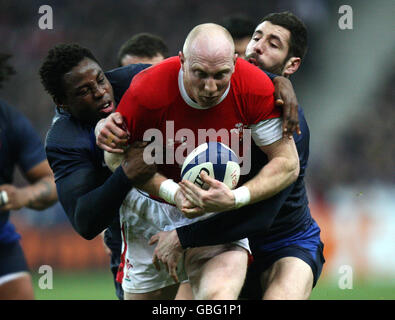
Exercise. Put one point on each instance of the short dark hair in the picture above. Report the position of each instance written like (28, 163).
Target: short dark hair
(6, 70)
(60, 60)
(239, 26)
(143, 45)
(298, 30)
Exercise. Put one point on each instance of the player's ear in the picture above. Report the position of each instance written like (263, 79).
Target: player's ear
(182, 59)
(60, 103)
(181, 56)
(235, 56)
(234, 61)
(291, 66)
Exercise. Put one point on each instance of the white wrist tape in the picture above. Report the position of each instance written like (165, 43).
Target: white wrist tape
(167, 190)
(3, 198)
(242, 196)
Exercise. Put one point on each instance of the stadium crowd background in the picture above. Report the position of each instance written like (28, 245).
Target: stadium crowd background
(346, 86)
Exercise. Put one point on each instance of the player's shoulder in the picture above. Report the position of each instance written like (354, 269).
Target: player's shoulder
(121, 77)
(10, 114)
(17, 124)
(248, 78)
(125, 72)
(66, 132)
(158, 73)
(156, 85)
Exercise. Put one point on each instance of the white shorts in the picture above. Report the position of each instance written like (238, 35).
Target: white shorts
(142, 217)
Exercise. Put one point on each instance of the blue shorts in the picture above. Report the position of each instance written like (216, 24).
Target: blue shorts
(12, 258)
(305, 245)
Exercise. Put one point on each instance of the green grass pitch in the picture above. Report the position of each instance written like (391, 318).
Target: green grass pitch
(98, 285)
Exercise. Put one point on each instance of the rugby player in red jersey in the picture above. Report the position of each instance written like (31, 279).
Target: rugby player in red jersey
(207, 87)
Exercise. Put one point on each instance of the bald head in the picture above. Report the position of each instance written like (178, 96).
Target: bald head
(209, 40)
(208, 62)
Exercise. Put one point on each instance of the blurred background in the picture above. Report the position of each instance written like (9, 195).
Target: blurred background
(345, 85)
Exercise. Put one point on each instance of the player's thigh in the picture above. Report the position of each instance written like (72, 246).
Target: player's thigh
(166, 293)
(216, 272)
(184, 292)
(15, 279)
(289, 278)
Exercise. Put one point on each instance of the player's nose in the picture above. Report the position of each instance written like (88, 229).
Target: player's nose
(210, 86)
(259, 46)
(99, 92)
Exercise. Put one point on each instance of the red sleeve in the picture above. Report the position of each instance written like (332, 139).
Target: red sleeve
(150, 91)
(138, 117)
(256, 93)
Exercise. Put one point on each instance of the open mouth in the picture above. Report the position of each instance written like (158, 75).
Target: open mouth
(107, 107)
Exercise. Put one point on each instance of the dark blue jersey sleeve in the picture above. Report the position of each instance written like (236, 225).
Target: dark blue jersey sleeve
(24, 146)
(20, 146)
(271, 75)
(233, 225)
(120, 78)
(89, 193)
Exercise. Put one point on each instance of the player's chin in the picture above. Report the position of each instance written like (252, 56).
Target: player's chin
(208, 102)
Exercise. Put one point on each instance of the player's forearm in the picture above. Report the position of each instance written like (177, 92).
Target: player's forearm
(41, 194)
(279, 173)
(233, 225)
(96, 206)
(281, 170)
(152, 186)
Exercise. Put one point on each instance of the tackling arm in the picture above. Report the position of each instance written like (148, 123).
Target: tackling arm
(281, 170)
(39, 194)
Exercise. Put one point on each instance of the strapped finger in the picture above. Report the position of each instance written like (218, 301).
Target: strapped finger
(109, 149)
(279, 102)
(110, 139)
(119, 132)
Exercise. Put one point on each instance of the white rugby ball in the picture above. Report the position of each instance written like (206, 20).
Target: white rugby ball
(113, 160)
(217, 159)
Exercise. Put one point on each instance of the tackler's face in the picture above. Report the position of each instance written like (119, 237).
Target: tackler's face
(88, 93)
(269, 47)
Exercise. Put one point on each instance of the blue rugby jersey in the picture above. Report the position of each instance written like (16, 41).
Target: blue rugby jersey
(20, 146)
(89, 193)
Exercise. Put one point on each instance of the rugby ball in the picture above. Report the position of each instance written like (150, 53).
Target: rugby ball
(217, 159)
(113, 160)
